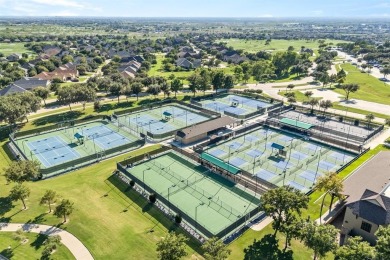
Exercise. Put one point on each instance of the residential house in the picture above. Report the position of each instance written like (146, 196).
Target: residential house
(186, 64)
(51, 50)
(24, 84)
(14, 57)
(234, 57)
(168, 49)
(65, 72)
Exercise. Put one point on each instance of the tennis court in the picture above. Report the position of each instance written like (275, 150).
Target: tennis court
(258, 152)
(235, 105)
(65, 145)
(210, 201)
(161, 120)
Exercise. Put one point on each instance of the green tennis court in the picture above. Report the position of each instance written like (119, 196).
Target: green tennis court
(281, 158)
(211, 202)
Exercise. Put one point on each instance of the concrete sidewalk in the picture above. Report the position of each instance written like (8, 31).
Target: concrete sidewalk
(74, 245)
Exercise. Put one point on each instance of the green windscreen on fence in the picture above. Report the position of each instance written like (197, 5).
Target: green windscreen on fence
(221, 164)
(296, 123)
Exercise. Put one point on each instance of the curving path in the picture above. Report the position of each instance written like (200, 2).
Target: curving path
(74, 245)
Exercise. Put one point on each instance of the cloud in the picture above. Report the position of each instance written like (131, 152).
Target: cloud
(64, 13)
(63, 3)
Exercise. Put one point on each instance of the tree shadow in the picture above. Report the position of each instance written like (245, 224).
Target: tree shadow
(113, 106)
(267, 249)
(8, 253)
(147, 207)
(38, 219)
(39, 240)
(52, 119)
(5, 205)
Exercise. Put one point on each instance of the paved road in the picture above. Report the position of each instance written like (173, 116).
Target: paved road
(74, 245)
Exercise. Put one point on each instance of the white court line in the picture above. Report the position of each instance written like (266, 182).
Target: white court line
(41, 155)
(67, 147)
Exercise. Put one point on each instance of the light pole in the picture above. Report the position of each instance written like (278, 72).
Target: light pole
(196, 215)
(93, 140)
(169, 206)
(143, 177)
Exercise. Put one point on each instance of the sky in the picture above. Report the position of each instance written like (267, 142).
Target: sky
(197, 8)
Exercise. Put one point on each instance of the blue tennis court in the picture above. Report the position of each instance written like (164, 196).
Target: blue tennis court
(52, 151)
(254, 153)
(298, 155)
(326, 165)
(236, 161)
(308, 175)
(265, 175)
(296, 185)
(217, 152)
(251, 138)
(234, 145)
(105, 137)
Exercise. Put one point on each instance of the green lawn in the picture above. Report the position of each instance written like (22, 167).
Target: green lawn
(107, 220)
(336, 105)
(275, 45)
(9, 48)
(31, 249)
(299, 96)
(371, 88)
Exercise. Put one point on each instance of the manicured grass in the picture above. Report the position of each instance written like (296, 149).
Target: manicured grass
(9, 48)
(32, 249)
(371, 88)
(336, 105)
(157, 70)
(275, 45)
(109, 221)
(299, 96)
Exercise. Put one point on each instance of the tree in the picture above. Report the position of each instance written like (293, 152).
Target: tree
(218, 80)
(387, 121)
(66, 95)
(19, 235)
(30, 102)
(325, 104)
(228, 82)
(20, 192)
(84, 94)
(332, 184)
(349, 88)
(172, 247)
(341, 76)
(215, 249)
(308, 94)
(383, 242)
(385, 71)
(49, 198)
(369, 117)
(290, 86)
(51, 244)
(204, 81)
(21, 171)
(65, 208)
(312, 103)
(238, 72)
(320, 238)
(154, 90)
(194, 80)
(166, 89)
(42, 93)
(136, 88)
(176, 85)
(355, 249)
(282, 203)
(116, 89)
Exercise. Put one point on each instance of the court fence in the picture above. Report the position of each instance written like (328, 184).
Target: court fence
(169, 101)
(241, 221)
(63, 124)
(275, 103)
(78, 162)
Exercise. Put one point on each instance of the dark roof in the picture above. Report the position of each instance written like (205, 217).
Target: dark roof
(373, 207)
(205, 127)
(22, 85)
(277, 146)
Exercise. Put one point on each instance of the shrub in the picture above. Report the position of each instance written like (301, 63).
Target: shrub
(152, 198)
(178, 219)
